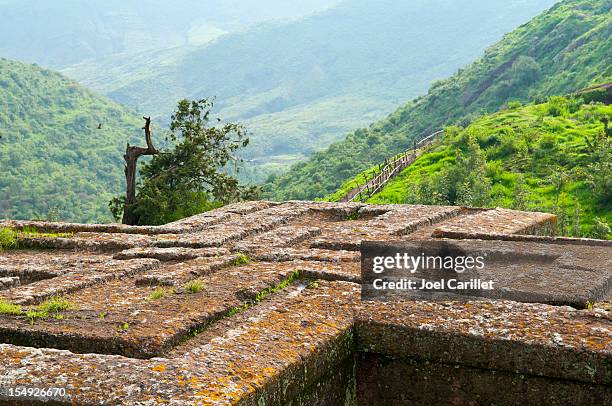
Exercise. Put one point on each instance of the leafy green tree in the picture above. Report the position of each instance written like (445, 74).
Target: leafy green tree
(429, 190)
(558, 106)
(601, 229)
(599, 171)
(189, 178)
(465, 183)
(469, 184)
(563, 218)
(576, 229)
(525, 71)
(558, 178)
(519, 193)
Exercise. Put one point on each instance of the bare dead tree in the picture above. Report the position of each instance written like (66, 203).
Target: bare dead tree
(131, 156)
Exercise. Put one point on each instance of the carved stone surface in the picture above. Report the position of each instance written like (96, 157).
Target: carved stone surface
(260, 302)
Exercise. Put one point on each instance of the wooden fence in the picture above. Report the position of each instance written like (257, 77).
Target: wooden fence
(389, 169)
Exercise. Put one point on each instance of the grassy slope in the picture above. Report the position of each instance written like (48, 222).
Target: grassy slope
(51, 153)
(301, 85)
(556, 142)
(563, 49)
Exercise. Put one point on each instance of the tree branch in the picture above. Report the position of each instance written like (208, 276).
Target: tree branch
(150, 148)
(131, 158)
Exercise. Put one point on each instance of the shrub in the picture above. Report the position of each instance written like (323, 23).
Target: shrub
(514, 104)
(557, 106)
(548, 142)
(494, 170)
(508, 141)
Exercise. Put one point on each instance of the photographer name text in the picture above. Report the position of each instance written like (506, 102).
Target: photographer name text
(425, 284)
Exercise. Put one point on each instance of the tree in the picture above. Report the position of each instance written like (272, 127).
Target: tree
(469, 184)
(131, 156)
(524, 71)
(189, 179)
(430, 190)
(558, 177)
(576, 228)
(601, 229)
(599, 171)
(520, 193)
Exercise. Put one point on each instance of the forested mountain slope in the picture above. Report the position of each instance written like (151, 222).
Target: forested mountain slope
(554, 157)
(564, 48)
(53, 158)
(300, 85)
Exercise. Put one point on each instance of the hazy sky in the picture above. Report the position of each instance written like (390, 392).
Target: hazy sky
(57, 33)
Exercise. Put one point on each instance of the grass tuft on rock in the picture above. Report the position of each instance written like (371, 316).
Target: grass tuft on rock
(194, 287)
(52, 307)
(10, 309)
(8, 238)
(241, 259)
(159, 293)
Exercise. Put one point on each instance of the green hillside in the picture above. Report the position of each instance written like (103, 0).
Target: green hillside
(554, 157)
(565, 48)
(53, 158)
(300, 85)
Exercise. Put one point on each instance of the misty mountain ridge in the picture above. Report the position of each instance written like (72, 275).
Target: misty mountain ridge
(59, 33)
(299, 86)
